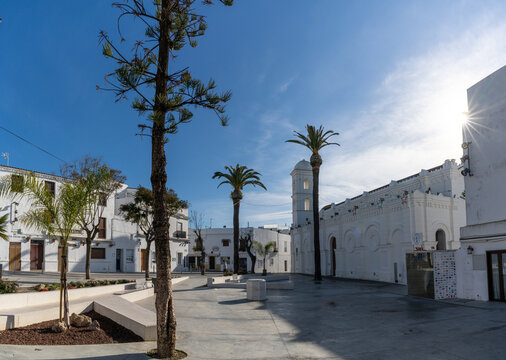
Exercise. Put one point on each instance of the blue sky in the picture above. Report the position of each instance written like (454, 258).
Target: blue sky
(390, 76)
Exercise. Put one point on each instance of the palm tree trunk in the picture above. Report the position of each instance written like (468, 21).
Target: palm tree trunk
(316, 162)
(264, 273)
(237, 203)
(63, 286)
(88, 256)
(146, 259)
(165, 315)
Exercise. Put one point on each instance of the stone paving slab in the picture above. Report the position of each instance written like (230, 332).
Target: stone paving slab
(347, 320)
(333, 320)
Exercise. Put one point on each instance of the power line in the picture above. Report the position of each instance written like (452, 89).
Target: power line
(29, 142)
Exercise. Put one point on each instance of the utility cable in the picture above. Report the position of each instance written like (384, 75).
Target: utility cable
(29, 142)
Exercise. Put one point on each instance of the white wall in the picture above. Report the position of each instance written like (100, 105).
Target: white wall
(121, 236)
(374, 231)
(485, 136)
(213, 244)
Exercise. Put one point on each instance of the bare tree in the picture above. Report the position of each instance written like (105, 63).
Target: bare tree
(248, 245)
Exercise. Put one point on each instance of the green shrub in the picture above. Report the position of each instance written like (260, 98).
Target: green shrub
(227, 273)
(8, 287)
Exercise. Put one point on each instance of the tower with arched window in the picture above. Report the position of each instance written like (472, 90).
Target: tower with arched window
(302, 193)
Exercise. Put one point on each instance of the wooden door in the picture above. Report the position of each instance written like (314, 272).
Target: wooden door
(15, 256)
(143, 259)
(36, 255)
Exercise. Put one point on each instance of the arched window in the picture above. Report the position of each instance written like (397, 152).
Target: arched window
(441, 240)
(306, 184)
(306, 205)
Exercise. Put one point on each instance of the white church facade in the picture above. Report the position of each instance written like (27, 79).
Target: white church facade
(368, 236)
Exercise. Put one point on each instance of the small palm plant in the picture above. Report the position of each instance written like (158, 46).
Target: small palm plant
(238, 177)
(3, 227)
(315, 140)
(263, 251)
(56, 215)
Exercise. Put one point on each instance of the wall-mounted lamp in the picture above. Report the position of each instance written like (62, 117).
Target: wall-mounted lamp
(470, 250)
(466, 172)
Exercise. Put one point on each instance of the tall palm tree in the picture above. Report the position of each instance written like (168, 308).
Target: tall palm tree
(315, 140)
(238, 177)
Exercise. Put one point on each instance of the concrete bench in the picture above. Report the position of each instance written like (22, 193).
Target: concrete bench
(129, 315)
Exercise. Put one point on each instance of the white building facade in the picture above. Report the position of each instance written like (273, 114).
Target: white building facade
(481, 263)
(118, 246)
(368, 236)
(219, 250)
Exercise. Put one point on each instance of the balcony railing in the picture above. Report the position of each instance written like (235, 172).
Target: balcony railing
(180, 234)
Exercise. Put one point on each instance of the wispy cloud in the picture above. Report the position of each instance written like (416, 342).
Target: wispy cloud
(412, 123)
(415, 120)
(285, 85)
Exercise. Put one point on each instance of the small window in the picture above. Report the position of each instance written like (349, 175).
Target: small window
(50, 186)
(306, 205)
(272, 262)
(129, 255)
(242, 245)
(225, 242)
(286, 265)
(98, 253)
(102, 199)
(306, 184)
(101, 228)
(18, 183)
(286, 246)
(179, 258)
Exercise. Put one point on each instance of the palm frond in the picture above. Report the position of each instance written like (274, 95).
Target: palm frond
(316, 138)
(239, 176)
(3, 230)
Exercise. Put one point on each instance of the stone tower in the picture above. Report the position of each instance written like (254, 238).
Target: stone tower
(302, 193)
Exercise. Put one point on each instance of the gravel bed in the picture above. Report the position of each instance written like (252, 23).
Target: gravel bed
(41, 334)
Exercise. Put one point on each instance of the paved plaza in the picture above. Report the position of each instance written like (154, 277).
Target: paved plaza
(335, 319)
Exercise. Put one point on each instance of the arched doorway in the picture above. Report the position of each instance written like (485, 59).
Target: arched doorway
(441, 240)
(333, 249)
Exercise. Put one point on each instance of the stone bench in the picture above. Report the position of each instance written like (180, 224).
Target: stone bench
(139, 320)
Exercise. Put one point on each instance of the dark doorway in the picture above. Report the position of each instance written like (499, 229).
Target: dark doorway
(496, 266)
(14, 256)
(333, 247)
(243, 265)
(118, 260)
(36, 254)
(212, 262)
(441, 240)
